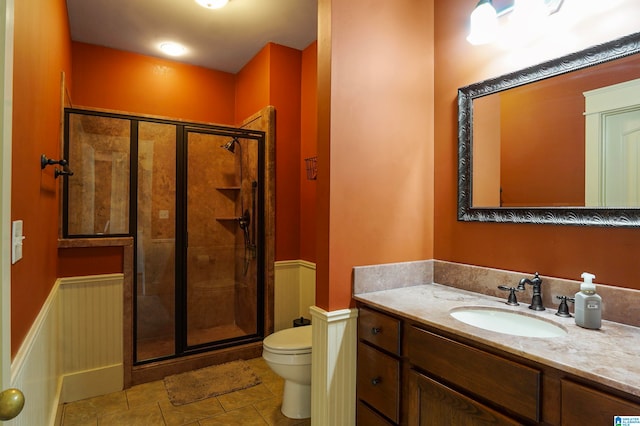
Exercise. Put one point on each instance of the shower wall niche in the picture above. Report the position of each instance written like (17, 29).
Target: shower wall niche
(193, 198)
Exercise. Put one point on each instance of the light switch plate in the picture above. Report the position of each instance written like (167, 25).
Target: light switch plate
(16, 238)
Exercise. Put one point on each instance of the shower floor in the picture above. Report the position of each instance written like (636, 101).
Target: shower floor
(156, 347)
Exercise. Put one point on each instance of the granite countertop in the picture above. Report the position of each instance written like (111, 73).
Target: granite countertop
(609, 356)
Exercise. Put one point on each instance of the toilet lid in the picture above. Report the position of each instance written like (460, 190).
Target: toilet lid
(297, 339)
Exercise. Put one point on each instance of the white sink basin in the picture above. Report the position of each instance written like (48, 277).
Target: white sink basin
(507, 322)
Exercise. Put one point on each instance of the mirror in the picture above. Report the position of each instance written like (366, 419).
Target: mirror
(531, 144)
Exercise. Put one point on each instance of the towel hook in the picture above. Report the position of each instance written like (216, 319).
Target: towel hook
(65, 171)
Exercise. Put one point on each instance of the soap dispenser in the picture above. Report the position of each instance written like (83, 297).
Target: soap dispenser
(588, 304)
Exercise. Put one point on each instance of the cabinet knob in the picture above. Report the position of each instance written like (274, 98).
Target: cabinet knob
(376, 380)
(376, 330)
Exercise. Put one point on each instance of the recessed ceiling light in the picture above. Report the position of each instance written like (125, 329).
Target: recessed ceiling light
(212, 4)
(173, 49)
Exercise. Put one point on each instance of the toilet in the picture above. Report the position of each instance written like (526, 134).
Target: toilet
(288, 353)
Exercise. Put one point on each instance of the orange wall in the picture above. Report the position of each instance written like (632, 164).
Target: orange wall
(39, 58)
(375, 139)
(75, 262)
(562, 251)
(123, 81)
(252, 85)
(308, 148)
(284, 94)
(272, 77)
(117, 80)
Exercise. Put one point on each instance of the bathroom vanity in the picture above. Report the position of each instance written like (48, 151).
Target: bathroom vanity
(417, 365)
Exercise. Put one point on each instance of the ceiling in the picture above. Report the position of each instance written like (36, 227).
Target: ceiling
(223, 39)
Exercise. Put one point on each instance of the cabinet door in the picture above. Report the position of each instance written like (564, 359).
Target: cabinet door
(489, 377)
(365, 416)
(434, 404)
(585, 406)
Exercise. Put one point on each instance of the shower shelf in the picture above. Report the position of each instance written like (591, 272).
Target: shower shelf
(228, 188)
(225, 219)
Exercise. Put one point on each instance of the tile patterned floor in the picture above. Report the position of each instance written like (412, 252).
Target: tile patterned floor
(148, 405)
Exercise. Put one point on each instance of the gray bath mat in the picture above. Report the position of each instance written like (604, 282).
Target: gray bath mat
(197, 385)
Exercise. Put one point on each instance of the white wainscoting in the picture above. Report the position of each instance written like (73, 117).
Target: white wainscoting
(74, 348)
(91, 335)
(295, 291)
(333, 361)
(36, 368)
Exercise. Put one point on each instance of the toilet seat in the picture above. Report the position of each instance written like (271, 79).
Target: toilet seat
(290, 341)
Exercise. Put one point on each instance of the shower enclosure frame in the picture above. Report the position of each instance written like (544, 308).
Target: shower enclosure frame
(182, 346)
(265, 217)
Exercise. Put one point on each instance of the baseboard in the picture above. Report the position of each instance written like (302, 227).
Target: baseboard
(90, 383)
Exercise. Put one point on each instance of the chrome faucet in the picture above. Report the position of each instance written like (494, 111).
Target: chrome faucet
(536, 300)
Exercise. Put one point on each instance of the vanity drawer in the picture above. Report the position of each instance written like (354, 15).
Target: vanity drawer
(582, 405)
(380, 330)
(378, 380)
(494, 379)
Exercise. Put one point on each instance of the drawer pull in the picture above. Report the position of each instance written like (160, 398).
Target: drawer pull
(376, 330)
(376, 380)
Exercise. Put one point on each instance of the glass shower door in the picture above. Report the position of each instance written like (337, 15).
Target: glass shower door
(222, 290)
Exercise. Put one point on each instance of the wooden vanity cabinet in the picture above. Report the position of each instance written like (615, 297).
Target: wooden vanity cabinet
(410, 374)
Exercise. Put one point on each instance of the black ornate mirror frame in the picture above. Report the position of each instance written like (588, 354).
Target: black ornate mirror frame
(586, 216)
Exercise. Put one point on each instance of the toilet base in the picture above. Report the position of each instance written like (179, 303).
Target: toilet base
(296, 400)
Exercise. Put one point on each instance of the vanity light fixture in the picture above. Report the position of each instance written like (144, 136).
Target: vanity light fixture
(484, 18)
(484, 23)
(212, 4)
(172, 48)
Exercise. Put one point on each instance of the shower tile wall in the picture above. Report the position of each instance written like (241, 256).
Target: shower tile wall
(246, 295)
(211, 206)
(99, 191)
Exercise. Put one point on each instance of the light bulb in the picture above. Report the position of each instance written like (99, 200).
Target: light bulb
(173, 49)
(212, 4)
(484, 23)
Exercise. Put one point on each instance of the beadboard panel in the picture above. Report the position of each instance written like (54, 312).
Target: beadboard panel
(91, 334)
(73, 349)
(295, 290)
(333, 376)
(36, 368)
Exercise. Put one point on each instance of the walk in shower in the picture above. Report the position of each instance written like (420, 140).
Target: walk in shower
(192, 196)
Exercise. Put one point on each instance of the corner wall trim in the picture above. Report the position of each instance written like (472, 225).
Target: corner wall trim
(333, 358)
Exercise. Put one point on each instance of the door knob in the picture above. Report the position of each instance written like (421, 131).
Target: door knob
(11, 403)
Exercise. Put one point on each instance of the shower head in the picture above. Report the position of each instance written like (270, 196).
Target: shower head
(231, 145)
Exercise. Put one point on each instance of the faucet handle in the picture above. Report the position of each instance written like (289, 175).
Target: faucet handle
(512, 300)
(563, 309)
